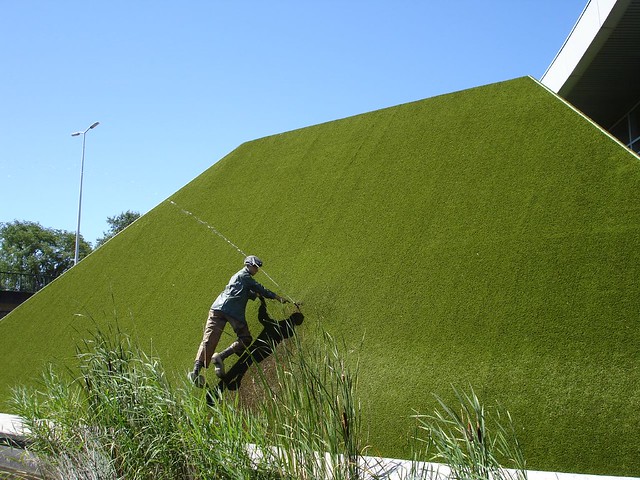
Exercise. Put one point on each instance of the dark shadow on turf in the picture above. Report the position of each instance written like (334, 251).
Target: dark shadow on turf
(273, 332)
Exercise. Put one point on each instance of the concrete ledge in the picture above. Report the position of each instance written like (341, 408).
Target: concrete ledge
(12, 429)
(393, 469)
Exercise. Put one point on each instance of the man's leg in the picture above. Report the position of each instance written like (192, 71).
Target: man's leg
(244, 338)
(210, 338)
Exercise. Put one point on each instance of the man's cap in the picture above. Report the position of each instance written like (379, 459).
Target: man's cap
(253, 260)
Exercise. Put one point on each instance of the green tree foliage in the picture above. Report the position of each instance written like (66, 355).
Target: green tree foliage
(28, 247)
(117, 224)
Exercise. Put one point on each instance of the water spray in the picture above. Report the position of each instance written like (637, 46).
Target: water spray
(238, 249)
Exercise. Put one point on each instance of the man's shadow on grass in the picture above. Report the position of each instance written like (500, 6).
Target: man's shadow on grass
(273, 332)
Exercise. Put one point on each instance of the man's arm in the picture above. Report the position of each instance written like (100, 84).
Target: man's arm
(265, 292)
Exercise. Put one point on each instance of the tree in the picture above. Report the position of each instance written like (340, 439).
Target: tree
(117, 224)
(27, 247)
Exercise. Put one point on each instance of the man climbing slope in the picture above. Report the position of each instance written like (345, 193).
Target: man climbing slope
(230, 307)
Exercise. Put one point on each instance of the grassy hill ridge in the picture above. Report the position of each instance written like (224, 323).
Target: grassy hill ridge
(487, 237)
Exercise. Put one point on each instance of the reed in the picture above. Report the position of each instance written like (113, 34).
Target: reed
(116, 416)
(473, 443)
(312, 411)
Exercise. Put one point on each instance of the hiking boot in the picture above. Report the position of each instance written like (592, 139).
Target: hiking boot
(196, 379)
(219, 365)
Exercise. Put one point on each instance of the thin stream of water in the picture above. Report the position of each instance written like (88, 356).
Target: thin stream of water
(217, 232)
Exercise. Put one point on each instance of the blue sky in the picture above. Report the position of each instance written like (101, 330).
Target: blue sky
(178, 85)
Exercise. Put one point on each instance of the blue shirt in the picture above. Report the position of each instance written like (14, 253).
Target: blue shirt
(241, 287)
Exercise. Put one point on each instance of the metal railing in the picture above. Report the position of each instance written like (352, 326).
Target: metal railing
(23, 282)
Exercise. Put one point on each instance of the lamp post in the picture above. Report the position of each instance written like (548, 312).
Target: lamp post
(84, 134)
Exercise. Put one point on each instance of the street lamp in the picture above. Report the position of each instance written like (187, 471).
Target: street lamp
(75, 134)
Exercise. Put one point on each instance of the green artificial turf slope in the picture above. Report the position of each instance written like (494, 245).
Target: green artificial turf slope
(490, 237)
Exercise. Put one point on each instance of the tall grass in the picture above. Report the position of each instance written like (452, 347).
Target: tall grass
(474, 444)
(116, 416)
(118, 401)
(313, 414)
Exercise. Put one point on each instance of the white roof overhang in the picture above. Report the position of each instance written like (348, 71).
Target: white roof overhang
(598, 67)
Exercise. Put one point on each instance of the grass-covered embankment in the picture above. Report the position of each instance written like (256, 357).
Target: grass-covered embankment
(489, 237)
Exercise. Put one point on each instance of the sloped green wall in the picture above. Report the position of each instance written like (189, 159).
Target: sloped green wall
(489, 237)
